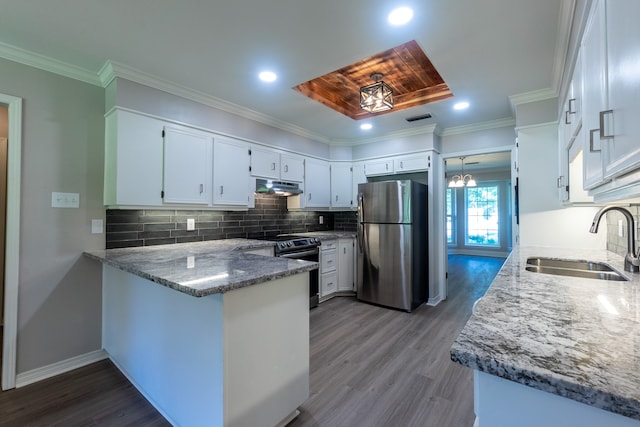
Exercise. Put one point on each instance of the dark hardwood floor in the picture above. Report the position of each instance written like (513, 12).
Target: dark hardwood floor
(370, 366)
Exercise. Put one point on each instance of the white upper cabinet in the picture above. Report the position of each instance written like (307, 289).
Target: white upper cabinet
(265, 163)
(411, 163)
(358, 178)
(187, 165)
(341, 185)
(291, 168)
(594, 94)
(621, 149)
(271, 164)
(230, 171)
(317, 184)
(378, 167)
(133, 160)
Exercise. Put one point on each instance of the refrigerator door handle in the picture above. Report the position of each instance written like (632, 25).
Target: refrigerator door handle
(360, 227)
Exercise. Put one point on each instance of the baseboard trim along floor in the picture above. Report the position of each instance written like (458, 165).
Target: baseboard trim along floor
(45, 372)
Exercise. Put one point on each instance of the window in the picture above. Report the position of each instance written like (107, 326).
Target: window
(483, 216)
(451, 217)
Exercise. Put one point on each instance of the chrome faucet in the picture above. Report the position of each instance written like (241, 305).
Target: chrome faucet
(631, 259)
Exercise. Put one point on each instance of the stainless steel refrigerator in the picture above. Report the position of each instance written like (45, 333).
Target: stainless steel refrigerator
(392, 244)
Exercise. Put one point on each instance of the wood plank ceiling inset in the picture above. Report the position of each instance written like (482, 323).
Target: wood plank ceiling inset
(406, 68)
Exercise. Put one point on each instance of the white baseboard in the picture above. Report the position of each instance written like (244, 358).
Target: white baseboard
(434, 301)
(45, 372)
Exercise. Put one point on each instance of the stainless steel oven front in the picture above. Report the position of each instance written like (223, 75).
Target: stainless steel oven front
(305, 249)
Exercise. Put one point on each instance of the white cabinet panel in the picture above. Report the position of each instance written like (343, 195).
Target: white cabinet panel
(265, 163)
(328, 284)
(133, 160)
(346, 265)
(622, 150)
(594, 99)
(187, 166)
(412, 163)
(291, 168)
(378, 167)
(230, 171)
(316, 184)
(341, 185)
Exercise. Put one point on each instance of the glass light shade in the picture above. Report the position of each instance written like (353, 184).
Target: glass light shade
(471, 182)
(376, 97)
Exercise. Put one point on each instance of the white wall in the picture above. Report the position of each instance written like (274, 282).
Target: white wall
(482, 141)
(59, 296)
(543, 219)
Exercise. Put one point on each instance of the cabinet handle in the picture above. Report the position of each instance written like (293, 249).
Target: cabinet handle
(286, 168)
(591, 149)
(344, 250)
(566, 118)
(401, 164)
(559, 181)
(603, 134)
(386, 166)
(309, 196)
(273, 166)
(572, 105)
(336, 197)
(201, 188)
(221, 190)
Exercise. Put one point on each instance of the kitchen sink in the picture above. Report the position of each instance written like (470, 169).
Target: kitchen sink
(574, 268)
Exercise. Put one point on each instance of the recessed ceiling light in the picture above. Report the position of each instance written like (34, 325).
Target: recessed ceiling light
(400, 16)
(461, 106)
(366, 126)
(268, 76)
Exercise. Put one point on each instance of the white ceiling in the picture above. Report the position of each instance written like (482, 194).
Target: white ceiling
(485, 50)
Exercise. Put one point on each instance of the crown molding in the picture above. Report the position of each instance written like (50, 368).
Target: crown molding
(476, 127)
(111, 70)
(533, 96)
(47, 63)
(561, 57)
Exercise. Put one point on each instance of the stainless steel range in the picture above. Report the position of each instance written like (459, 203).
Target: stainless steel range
(304, 248)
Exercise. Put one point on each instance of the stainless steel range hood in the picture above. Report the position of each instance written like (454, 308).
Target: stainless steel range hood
(277, 188)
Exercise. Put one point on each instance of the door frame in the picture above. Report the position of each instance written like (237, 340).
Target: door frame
(12, 242)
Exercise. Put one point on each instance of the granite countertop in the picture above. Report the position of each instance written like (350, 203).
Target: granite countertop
(329, 235)
(577, 338)
(203, 268)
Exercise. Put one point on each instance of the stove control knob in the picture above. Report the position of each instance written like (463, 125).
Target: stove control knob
(289, 243)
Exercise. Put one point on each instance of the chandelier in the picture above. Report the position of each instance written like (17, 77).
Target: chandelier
(376, 97)
(462, 180)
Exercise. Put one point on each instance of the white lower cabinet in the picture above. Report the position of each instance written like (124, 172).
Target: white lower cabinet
(346, 265)
(328, 268)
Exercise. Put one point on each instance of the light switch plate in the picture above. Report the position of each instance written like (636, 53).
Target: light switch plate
(65, 200)
(96, 226)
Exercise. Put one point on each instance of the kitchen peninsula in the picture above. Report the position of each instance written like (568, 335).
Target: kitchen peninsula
(555, 350)
(209, 332)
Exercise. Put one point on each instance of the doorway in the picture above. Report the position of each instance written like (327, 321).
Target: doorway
(11, 241)
(4, 134)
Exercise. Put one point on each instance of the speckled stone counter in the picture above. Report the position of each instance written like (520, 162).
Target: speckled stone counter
(203, 268)
(576, 338)
(328, 235)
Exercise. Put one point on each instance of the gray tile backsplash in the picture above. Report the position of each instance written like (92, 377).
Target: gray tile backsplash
(615, 242)
(128, 228)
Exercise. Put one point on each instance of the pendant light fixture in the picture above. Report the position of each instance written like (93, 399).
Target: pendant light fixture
(376, 97)
(462, 180)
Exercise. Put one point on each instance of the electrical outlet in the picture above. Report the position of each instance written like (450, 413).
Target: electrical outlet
(321, 219)
(191, 224)
(96, 226)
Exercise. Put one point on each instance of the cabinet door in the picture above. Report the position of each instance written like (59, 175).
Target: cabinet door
(594, 101)
(411, 163)
(622, 151)
(265, 163)
(378, 167)
(187, 166)
(133, 160)
(328, 284)
(317, 184)
(341, 185)
(230, 171)
(291, 168)
(346, 265)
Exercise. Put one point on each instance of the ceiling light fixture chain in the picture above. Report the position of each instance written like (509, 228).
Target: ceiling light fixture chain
(376, 97)
(462, 180)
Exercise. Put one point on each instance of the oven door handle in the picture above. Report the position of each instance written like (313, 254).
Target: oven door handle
(299, 254)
